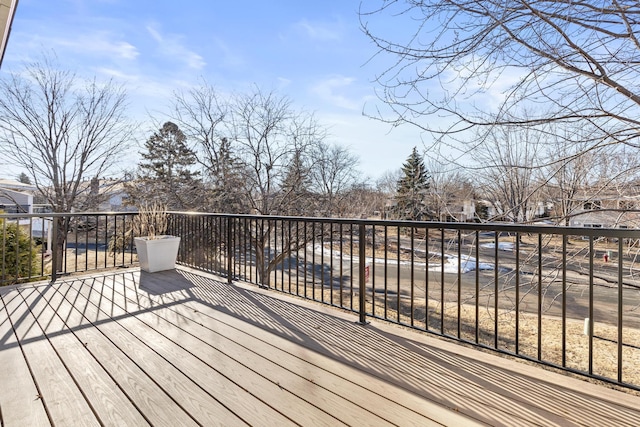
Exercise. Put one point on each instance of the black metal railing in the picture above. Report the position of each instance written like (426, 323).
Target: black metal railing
(38, 246)
(564, 297)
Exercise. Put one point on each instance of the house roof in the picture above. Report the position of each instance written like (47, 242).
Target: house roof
(7, 12)
(16, 185)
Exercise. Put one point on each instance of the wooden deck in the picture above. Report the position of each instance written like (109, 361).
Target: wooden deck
(184, 348)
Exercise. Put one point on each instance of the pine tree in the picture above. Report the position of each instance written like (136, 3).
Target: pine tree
(412, 188)
(295, 187)
(18, 254)
(166, 173)
(24, 178)
(226, 185)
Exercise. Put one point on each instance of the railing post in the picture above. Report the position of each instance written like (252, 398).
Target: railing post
(229, 251)
(362, 253)
(53, 246)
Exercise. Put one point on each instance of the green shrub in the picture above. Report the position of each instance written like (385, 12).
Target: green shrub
(18, 255)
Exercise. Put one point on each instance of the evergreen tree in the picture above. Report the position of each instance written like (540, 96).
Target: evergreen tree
(295, 187)
(412, 188)
(225, 181)
(24, 178)
(165, 175)
(18, 254)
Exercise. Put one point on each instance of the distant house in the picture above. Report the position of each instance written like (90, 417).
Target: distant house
(611, 209)
(16, 197)
(105, 195)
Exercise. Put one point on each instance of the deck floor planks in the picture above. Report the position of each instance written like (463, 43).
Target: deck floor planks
(170, 396)
(156, 405)
(63, 400)
(19, 401)
(357, 348)
(511, 397)
(298, 342)
(227, 352)
(548, 397)
(111, 405)
(213, 326)
(209, 359)
(201, 377)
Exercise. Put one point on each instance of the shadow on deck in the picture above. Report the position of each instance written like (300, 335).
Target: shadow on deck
(184, 348)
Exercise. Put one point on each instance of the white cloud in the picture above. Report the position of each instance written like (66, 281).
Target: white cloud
(97, 44)
(320, 31)
(228, 57)
(333, 90)
(171, 45)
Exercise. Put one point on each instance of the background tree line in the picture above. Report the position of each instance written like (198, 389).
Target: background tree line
(249, 153)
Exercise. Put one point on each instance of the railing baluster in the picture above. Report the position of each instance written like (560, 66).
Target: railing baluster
(372, 270)
(313, 260)
(477, 289)
(386, 271)
(331, 256)
(459, 307)
(517, 301)
(591, 319)
(341, 266)
(555, 269)
(540, 273)
(361, 274)
(412, 275)
(351, 266)
(442, 259)
(496, 276)
(620, 311)
(55, 253)
(322, 261)
(426, 278)
(398, 291)
(229, 251)
(564, 300)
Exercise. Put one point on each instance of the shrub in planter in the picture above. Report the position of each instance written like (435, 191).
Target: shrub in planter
(156, 250)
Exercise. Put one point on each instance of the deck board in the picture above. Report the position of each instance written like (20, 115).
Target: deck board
(344, 390)
(62, 398)
(184, 348)
(175, 399)
(276, 366)
(19, 401)
(111, 405)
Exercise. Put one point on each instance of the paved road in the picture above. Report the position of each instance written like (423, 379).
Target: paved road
(605, 294)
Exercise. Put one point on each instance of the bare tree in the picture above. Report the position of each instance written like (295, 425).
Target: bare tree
(450, 191)
(568, 172)
(478, 61)
(205, 118)
(268, 134)
(269, 137)
(333, 173)
(507, 157)
(62, 131)
(387, 185)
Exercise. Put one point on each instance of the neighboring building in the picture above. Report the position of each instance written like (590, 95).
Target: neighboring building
(106, 195)
(7, 12)
(12, 201)
(16, 197)
(612, 210)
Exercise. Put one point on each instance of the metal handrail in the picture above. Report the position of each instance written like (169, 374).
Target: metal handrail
(493, 285)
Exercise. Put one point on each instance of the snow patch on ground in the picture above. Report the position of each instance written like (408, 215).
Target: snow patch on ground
(467, 263)
(502, 246)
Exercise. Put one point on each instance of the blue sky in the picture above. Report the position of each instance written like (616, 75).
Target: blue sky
(311, 51)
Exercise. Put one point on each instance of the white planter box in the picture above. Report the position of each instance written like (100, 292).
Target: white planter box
(157, 254)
